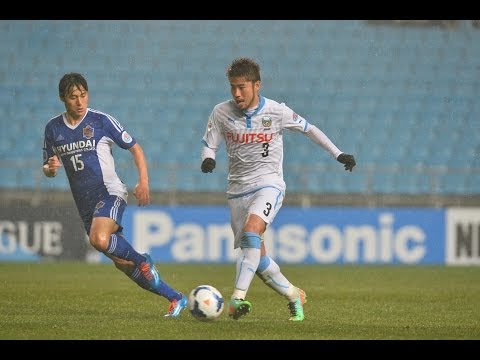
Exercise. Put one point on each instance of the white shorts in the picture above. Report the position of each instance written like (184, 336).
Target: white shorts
(264, 202)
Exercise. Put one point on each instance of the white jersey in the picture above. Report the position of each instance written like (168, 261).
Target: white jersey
(254, 142)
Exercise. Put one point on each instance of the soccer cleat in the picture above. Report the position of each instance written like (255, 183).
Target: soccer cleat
(150, 272)
(176, 306)
(238, 308)
(296, 307)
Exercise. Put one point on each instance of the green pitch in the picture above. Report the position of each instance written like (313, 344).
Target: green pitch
(65, 301)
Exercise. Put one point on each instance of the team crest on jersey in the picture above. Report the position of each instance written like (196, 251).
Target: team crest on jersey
(209, 125)
(88, 132)
(295, 117)
(126, 137)
(266, 121)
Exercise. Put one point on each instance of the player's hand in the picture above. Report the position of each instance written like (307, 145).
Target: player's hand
(208, 165)
(52, 165)
(142, 194)
(348, 160)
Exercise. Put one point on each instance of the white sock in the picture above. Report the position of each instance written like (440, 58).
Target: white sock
(247, 265)
(273, 278)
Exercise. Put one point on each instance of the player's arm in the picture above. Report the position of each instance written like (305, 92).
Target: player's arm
(210, 141)
(51, 161)
(319, 137)
(208, 159)
(142, 189)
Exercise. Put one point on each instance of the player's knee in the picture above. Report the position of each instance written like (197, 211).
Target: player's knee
(99, 240)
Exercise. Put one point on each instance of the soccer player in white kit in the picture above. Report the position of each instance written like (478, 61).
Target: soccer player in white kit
(81, 140)
(252, 127)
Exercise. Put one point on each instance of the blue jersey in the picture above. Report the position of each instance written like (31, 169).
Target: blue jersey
(85, 151)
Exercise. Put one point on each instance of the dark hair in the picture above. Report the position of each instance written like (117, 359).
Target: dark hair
(68, 81)
(244, 67)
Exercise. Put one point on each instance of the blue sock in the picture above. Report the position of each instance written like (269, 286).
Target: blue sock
(121, 248)
(163, 289)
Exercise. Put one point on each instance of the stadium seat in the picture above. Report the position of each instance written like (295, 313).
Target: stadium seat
(396, 97)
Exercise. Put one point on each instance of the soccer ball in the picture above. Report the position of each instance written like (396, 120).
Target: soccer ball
(205, 303)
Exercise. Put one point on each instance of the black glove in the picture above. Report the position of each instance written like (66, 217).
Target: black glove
(208, 165)
(348, 160)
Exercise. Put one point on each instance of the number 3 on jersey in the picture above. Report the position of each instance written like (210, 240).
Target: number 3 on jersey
(265, 150)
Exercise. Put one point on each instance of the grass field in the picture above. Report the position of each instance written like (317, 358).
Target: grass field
(80, 301)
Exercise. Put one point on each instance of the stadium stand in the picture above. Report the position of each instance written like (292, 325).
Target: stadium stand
(402, 99)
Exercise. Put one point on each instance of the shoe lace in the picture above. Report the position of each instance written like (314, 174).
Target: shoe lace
(172, 306)
(293, 308)
(145, 269)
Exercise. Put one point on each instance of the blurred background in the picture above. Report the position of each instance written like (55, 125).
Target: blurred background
(402, 96)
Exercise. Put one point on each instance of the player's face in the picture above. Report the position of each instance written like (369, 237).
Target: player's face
(76, 102)
(245, 93)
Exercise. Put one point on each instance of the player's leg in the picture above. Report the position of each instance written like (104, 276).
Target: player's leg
(178, 301)
(247, 261)
(246, 266)
(269, 271)
(106, 236)
(271, 199)
(256, 210)
(106, 220)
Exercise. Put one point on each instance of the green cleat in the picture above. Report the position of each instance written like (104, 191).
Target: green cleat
(238, 308)
(296, 307)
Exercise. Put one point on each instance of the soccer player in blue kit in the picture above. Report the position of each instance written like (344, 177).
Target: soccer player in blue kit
(81, 139)
(252, 128)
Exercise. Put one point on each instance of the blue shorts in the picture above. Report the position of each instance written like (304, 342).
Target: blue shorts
(110, 206)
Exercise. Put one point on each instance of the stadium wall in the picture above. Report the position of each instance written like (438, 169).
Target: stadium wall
(398, 235)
